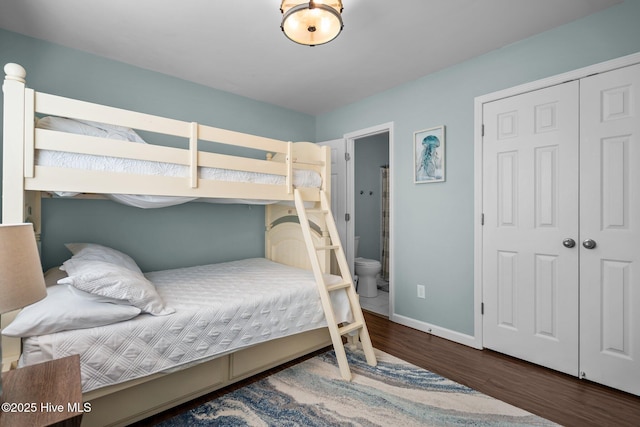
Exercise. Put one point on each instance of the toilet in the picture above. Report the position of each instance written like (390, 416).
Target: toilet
(366, 270)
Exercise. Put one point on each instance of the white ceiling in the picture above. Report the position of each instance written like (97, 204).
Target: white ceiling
(237, 45)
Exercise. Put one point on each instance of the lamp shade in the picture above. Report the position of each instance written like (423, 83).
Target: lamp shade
(311, 23)
(21, 278)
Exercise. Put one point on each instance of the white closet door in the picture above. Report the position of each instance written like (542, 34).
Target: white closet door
(610, 216)
(530, 204)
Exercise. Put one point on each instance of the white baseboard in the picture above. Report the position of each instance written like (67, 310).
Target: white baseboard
(460, 338)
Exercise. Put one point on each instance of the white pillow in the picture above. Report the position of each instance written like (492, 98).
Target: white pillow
(114, 281)
(95, 297)
(63, 310)
(86, 127)
(95, 252)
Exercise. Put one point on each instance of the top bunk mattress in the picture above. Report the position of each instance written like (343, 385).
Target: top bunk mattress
(302, 178)
(219, 308)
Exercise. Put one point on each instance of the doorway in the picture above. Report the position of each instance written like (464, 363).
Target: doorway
(369, 200)
(371, 207)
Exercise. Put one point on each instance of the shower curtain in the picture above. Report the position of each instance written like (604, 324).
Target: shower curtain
(384, 172)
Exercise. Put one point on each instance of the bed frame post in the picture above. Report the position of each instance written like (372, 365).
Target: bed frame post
(13, 199)
(18, 205)
(289, 159)
(326, 170)
(329, 261)
(13, 195)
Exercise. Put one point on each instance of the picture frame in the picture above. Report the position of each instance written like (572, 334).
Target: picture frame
(429, 155)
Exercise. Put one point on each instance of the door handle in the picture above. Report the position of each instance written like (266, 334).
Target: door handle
(568, 243)
(589, 244)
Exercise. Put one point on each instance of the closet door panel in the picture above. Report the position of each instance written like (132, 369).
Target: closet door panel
(610, 217)
(530, 203)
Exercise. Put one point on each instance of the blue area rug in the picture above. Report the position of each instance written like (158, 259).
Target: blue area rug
(394, 393)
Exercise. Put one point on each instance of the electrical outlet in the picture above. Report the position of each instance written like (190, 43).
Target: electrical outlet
(421, 291)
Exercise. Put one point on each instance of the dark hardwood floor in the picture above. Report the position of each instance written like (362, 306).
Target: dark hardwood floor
(555, 396)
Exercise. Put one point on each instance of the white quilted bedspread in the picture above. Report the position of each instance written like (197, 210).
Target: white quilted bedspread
(301, 177)
(219, 308)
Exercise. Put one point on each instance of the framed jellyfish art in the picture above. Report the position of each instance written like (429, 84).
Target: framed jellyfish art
(428, 155)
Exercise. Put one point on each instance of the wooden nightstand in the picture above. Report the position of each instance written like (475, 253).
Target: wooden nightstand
(46, 394)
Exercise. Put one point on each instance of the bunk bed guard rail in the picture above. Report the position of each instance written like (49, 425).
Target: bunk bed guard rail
(21, 140)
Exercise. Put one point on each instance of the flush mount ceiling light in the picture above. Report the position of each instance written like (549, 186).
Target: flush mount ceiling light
(311, 23)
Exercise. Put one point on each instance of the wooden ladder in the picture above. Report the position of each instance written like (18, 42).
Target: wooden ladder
(336, 331)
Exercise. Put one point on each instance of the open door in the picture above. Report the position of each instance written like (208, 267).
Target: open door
(339, 193)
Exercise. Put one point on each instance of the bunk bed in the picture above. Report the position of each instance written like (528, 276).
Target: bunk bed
(59, 146)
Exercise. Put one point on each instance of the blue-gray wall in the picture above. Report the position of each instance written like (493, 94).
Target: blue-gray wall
(160, 238)
(433, 223)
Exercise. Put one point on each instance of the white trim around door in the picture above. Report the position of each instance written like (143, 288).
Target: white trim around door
(351, 137)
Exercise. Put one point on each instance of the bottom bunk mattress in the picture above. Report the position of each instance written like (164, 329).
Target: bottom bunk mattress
(219, 308)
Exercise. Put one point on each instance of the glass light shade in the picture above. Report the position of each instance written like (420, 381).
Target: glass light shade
(311, 23)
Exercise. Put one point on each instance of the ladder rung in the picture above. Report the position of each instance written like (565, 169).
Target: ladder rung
(338, 286)
(316, 210)
(328, 247)
(350, 328)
